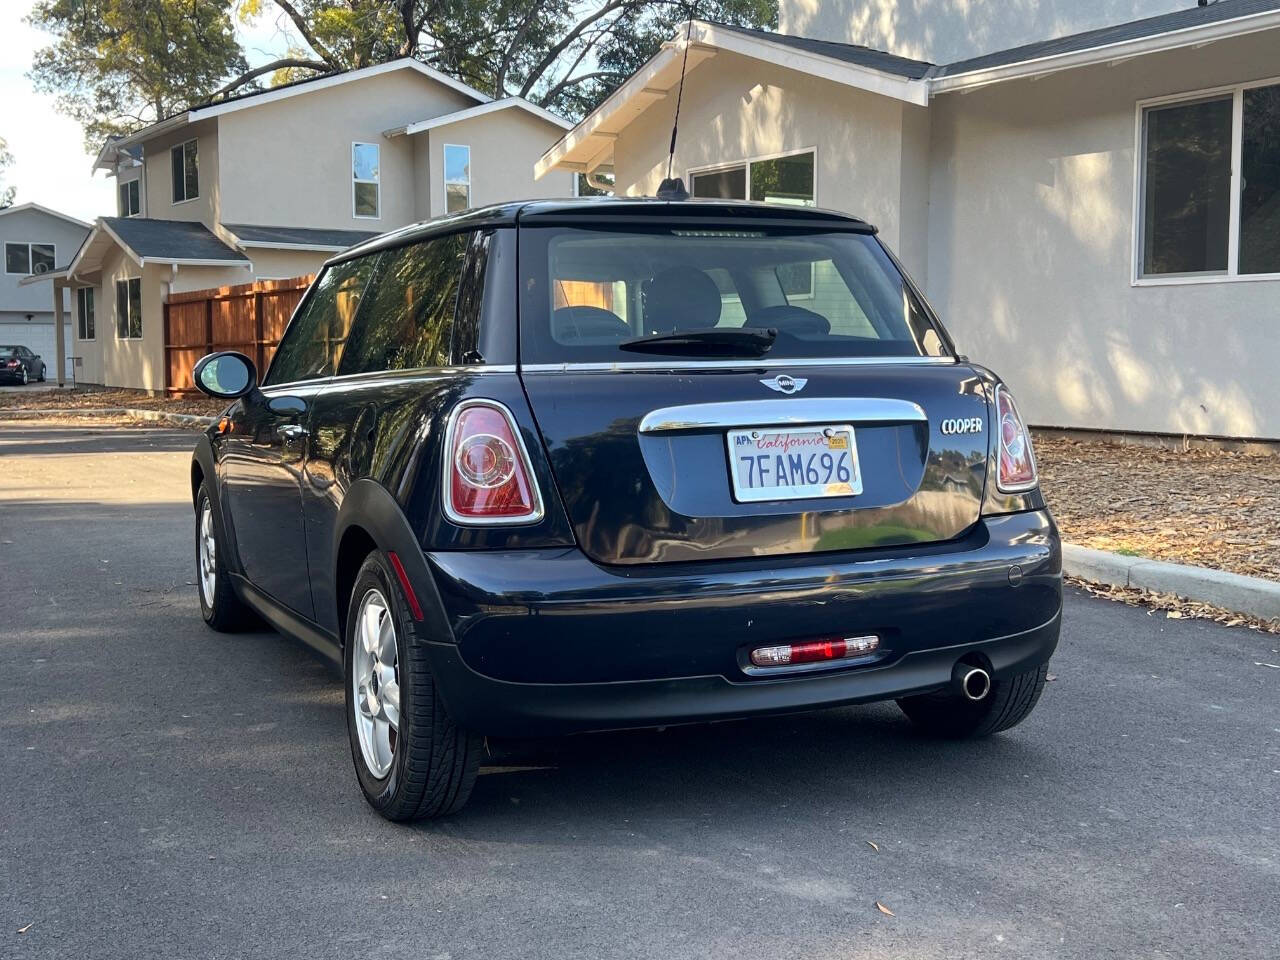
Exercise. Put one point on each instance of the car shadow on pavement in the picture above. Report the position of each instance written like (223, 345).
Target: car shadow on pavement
(867, 760)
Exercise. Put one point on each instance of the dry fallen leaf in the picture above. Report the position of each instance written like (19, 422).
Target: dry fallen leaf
(27, 927)
(1050, 677)
(1173, 614)
(885, 910)
(872, 845)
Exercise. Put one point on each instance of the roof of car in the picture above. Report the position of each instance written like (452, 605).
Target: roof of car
(613, 210)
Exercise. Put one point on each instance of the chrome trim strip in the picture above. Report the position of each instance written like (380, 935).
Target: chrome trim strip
(374, 374)
(779, 413)
(730, 364)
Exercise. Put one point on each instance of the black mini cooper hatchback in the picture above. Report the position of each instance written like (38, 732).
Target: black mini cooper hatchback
(581, 465)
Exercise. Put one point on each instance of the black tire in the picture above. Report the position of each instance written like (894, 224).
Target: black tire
(434, 761)
(26, 377)
(223, 611)
(41, 380)
(949, 715)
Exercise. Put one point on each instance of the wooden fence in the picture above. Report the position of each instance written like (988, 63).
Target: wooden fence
(248, 317)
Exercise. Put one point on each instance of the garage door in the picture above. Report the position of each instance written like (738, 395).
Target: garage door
(38, 337)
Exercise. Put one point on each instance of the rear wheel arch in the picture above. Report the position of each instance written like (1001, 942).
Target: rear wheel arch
(371, 519)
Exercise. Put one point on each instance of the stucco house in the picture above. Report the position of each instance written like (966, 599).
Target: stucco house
(270, 184)
(35, 239)
(1089, 192)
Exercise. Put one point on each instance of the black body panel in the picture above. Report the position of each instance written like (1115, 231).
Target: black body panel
(553, 616)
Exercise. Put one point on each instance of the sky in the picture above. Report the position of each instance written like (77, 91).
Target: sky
(50, 164)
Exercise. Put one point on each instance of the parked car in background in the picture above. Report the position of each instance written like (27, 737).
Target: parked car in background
(20, 365)
(563, 466)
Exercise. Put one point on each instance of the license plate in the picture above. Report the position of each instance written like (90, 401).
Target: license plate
(801, 464)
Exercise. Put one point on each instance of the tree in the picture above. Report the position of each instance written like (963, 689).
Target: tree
(6, 160)
(563, 54)
(119, 64)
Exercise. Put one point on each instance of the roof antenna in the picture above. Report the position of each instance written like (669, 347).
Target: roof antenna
(673, 188)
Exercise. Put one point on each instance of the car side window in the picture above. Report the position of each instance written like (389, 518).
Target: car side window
(316, 338)
(407, 321)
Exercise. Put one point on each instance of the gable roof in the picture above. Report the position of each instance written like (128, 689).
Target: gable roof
(493, 106)
(170, 241)
(39, 208)
(848, 52)
(589, 145)
(256, 98)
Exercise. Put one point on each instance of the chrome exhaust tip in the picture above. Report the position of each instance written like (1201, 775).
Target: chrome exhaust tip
(972, 682)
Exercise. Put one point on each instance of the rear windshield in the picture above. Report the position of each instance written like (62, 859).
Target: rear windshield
(586, 292)
(8, 351)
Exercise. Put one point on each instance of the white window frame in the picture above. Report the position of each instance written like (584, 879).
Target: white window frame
(172, 185)
(377, 182)
(1232, 274)
(80, 315)
(444, 170)
(137, 181)
(141, 318)
(30, 257)
(746, 163)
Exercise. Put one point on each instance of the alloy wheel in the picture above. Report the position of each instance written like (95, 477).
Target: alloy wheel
(208, 555)
(375, 683)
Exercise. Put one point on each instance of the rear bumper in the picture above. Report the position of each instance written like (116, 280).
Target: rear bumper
(545, 641)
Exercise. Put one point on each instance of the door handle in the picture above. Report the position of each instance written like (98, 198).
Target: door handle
(291, 431)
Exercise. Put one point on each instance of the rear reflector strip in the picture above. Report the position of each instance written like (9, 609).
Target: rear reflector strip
(816, 651)
(414, 607)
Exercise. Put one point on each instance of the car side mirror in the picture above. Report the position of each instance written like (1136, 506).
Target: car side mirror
(225, 376)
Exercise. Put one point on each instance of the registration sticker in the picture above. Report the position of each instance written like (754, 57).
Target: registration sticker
(798, 464)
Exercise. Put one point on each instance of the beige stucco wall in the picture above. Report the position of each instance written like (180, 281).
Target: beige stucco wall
(504, 147)
(129, 363)
(158, 179)
(1030, 256)
(271, 148)
(942, 31)
(736, 108)
(283, 264)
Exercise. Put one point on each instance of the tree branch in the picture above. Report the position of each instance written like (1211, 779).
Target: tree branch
(244, 78)
(300, 22)
(566, 41)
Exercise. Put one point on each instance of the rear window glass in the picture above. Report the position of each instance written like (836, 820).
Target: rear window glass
(587, 292)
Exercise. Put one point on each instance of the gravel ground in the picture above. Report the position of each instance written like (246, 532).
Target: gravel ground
(96, 398)
(1209, 508)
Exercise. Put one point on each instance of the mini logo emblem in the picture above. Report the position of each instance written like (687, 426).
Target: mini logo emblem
(785, 384)
(967, 425)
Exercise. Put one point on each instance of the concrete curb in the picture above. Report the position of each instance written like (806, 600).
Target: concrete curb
(155, 416)
(1247, 595)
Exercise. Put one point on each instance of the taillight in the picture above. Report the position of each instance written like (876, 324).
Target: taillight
(487, 476)
(1016, 463)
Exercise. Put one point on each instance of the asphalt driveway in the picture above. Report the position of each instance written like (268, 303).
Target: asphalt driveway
(170, 792)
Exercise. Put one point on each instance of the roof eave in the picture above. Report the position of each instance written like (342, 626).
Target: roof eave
(588, 147)
(1107, 53)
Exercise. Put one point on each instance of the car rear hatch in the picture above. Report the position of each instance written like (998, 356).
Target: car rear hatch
(857, 428)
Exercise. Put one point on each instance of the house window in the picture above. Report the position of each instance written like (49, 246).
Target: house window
(457, 177)
(129, 200)
(84, 313)
(28, 258)
(185, 164)
(129, 309)
(1209, 186)
(784, 179)
(365, 187)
